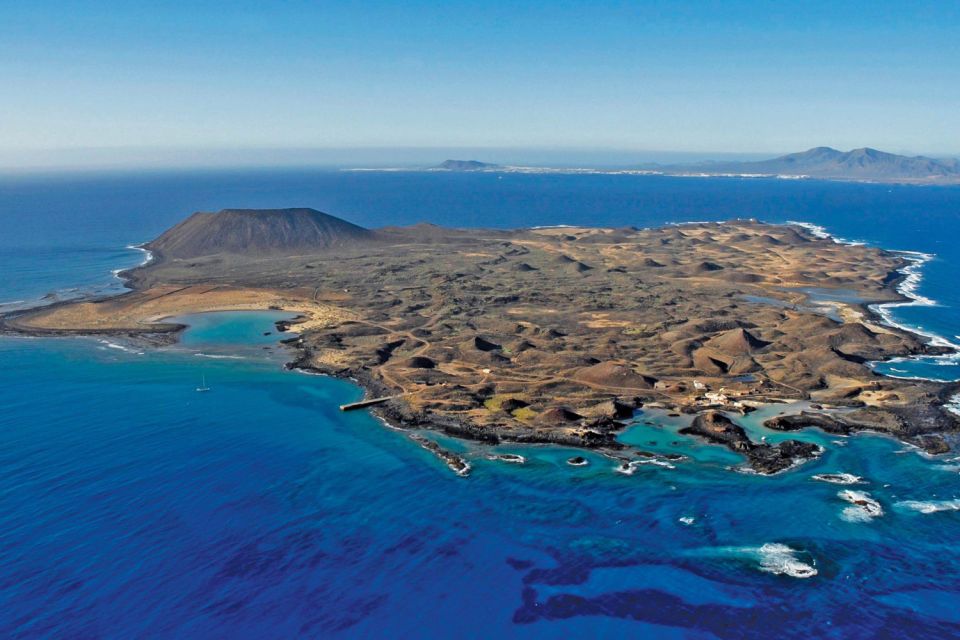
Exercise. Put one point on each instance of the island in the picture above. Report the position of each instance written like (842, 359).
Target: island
(859, 165)
(465, 165)
(820, 163)
(552, 335)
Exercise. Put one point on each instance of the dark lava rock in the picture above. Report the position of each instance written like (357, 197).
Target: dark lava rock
(577, 461)
(803, 420)
(454, 461)
(933, 444)
(763, 458)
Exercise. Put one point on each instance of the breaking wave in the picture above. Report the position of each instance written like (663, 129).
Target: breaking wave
(929, 506)
(909, 288)
(781, 560)
(217, 356)
(838, 478)
(120, 347)
(863, 508)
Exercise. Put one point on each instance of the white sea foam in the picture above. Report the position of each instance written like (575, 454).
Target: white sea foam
(120, 347)
(147, 257)
(947, 467)
(655, 461)
(954, 405)
(821, 232)
(838, 478)
(929, 506)
(909, 287)
(511, 458)
(863, 507)
(147, 254)
(771, 557)
(217, 356)
(779, 559)
(814, 229)
(855, 514)
(629, 468)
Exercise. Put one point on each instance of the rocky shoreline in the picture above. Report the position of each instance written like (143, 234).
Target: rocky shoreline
(599, 434)
(551, 336)
(763, 458)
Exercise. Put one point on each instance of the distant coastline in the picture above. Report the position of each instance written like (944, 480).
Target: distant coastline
(820, 163)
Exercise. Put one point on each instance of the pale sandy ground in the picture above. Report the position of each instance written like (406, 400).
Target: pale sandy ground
(143, 310)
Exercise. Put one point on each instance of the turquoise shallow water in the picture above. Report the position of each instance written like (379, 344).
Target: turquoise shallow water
(134, 506)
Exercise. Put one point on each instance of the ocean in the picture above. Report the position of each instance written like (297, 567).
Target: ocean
(135, 507)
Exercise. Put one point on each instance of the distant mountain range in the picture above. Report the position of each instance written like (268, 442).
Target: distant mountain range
(868, 165)
(824, 162)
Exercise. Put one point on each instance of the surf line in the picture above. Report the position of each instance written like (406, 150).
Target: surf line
(909, 288)
(147, 258)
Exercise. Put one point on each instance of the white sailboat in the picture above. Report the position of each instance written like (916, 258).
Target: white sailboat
(203, 384)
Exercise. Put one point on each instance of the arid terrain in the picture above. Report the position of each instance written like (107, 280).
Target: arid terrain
(554, 334)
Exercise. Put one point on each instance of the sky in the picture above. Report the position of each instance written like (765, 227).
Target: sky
(168, 81)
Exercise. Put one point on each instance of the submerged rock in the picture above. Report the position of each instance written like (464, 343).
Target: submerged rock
(838, 478)
(864, 508)
(512, 458)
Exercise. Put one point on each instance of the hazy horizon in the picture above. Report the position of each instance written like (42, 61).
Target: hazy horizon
(110, 159)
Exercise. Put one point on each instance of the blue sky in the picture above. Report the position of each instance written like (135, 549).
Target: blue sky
(742, 77)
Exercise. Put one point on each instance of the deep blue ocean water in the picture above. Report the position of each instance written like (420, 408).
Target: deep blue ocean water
(133, 506)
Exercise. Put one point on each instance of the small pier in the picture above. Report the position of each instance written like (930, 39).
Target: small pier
(366, 403)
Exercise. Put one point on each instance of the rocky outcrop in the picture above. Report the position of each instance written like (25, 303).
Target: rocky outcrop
(804, 419)
(763, 458)
(454, 461)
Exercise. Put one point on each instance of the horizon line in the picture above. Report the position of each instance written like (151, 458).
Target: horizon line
(132, 158)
